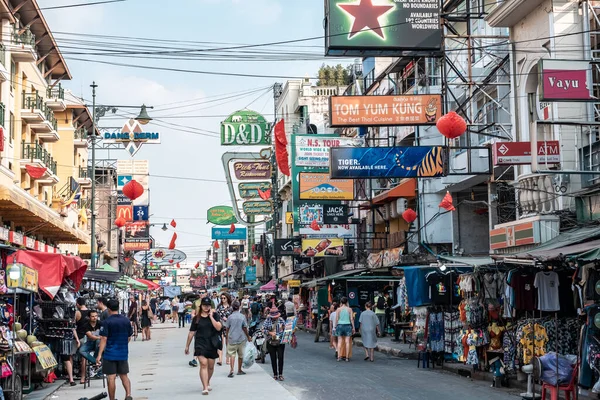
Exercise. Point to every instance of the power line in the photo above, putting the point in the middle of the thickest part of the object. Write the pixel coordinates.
(81, 4)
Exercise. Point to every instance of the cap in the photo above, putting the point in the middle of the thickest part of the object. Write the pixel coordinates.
(206, 302)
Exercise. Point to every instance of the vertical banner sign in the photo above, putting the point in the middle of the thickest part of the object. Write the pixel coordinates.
(245, 128)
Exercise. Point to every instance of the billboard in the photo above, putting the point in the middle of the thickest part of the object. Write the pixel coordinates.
(132, 136)
(318, 186)
(312, 151)
(519, 153)
(159, 256)
(245, 128)
(335, 214)
(137, 244)
(288, 247)
(223, 233)
(221, 215)
(421, 109)
(139, 229)
(388, 162)
(564, 80)
(383, 27)
(249, 190)
(323, 247)
(125, 212)
(250, 273)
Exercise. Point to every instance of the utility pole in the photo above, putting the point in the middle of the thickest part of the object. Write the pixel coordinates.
(277, 89)
(93, 174)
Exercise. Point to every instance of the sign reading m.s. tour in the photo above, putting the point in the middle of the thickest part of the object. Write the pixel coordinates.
(245, 128)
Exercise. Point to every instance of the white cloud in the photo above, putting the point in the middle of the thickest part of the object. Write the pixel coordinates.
(77, 19)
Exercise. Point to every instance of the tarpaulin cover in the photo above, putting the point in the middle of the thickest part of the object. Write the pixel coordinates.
(416, 286)
(565, 369)
(52, 268)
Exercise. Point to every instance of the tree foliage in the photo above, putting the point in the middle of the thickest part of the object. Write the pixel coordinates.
(337, 75)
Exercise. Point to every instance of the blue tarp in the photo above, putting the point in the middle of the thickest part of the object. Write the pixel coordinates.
(416, 285)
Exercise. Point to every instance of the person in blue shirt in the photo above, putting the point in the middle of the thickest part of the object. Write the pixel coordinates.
(115, 334)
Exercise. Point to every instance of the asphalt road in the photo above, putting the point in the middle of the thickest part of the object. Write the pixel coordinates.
(312, 373)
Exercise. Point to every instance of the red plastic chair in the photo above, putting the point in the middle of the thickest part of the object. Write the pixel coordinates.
(568, 389)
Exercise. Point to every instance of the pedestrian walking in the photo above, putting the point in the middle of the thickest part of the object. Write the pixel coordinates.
(175, 309)
(206, 331)
(133, 314)
(246, 307)
(273, 327)
(290, 308)
(146, 320)
(344, 329)
(332, 327)
(224, 310)
(102, 309)
(82, 318)
(369, 329)
(115, 334)
(181, 313)
(381, 312)
(237, 336)
(215, 300)
(165, 308)
(255, 310)
(154, 305)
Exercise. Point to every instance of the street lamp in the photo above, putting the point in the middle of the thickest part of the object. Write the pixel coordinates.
(164, 227)
(143, 118)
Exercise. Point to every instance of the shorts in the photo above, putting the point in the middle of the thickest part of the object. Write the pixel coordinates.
(233, 349)
(344, 330)
(110, 367)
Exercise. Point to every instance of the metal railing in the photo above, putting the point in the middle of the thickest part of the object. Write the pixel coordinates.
(33, 101)
(81, 133)
(2, 54)
(2, 114)
(55, 92)
(25, 37)
(49, 114)
(83, 172)
(35, 151)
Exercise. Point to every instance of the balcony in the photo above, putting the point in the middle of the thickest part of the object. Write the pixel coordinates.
(83, 178)
(40, 117)
(4, 73)
(536, 195)
(2, 115)
(23, 45)
(56, 98)
(80, 137)
(36, 155)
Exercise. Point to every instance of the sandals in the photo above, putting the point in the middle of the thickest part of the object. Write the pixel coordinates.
(275, 377)
(281, 378)
(230, 375)
(220, 364)
(205, 392)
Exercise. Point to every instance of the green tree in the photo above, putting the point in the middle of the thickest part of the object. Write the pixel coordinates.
(337, 75)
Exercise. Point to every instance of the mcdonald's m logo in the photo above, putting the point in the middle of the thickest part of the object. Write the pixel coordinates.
(125, 212)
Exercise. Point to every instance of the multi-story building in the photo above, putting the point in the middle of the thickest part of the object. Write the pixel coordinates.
(34, 163)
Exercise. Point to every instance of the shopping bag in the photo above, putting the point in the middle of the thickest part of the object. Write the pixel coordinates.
(294, 341)
(249, 355)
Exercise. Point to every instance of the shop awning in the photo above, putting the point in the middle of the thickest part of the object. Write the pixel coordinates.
(103, 273)
(340, 275)
(550, 254)
(406, 188)
(27, 212)
(126, 281)
(269, 286)
(472, 261)
(589, 256)
(151, 285)
(52, 268)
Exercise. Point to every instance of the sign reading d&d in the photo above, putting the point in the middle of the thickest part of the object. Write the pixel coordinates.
(245, 128)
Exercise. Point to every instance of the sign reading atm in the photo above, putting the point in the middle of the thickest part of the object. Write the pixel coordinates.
(519, 153)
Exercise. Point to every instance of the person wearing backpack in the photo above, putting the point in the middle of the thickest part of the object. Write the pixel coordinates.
(380, 311)
(255, 310)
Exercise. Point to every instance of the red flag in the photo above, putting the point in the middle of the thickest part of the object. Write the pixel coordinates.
(173, 239)
(178, 266)
(232, 228)
(197, 265)
(266, 195)
(216, 244)
(173, 223)
(35, 172)
(314, 225)
(447, 202)
(281, 153)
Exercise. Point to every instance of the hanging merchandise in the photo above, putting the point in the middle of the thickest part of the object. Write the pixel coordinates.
(533, 341)
(524, 290)
(547, 284)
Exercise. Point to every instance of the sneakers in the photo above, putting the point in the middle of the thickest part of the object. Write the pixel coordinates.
(95, 371)
(193, 363)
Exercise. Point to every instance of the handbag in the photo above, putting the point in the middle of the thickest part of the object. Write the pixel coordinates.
(274, 342)
(6, 370)
(216, 341)
(294, 342)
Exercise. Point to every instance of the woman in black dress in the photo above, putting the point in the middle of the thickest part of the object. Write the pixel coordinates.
(146, 320)
(206, 329)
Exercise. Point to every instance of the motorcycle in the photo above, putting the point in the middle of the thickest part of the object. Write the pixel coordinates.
(258, 340)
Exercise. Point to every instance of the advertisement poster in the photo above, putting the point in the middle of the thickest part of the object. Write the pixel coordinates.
(250, 273)
(288, 247)
(28, 279)
(223, 233)
(388, 162)
(221, 215)
(318, 186)
(45, 357)
(312, 151)
(322, 247)
(245, 128)
(290, 325)
(335, 214)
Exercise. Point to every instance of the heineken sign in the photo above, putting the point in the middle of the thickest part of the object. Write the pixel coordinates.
(245, 128)
(221, 215)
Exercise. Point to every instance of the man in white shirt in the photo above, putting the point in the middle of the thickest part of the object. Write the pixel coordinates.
(181, 313)
(290, 308)
(246, 307)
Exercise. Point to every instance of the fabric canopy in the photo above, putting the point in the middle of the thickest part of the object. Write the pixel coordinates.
(269, 286)
(549, 254)
(472, 261)
(103, 273)
(151, 285)
(127, 281)
(52, 269)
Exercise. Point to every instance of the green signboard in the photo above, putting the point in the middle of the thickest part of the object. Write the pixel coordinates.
(249, 190)
(370, 28)
(245, 128)
(221, 215)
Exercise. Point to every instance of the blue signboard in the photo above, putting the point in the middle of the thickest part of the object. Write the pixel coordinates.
(250, 274)
(140, 213)
(123, 180)
(223, 234)
(388, 162)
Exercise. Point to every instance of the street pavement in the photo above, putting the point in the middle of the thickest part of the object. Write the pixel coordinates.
(160, 370)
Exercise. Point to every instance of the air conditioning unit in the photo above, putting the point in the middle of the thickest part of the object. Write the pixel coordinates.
(394, 211)
(378, 218)
(401, 205)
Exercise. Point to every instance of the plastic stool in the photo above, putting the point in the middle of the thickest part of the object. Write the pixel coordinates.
(568, 389)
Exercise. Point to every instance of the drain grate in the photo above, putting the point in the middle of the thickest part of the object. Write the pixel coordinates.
(145, 381)
(148, 374)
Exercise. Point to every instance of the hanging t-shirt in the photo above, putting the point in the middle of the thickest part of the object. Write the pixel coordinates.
(524, 291)
(442, 286)
(547, 287)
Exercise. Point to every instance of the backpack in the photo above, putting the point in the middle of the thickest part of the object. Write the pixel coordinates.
(381, 303)
(254, 308)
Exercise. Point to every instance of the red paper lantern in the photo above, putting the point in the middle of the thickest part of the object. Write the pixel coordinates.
(451, 125)
(264, 195)
(133, 189)
(232, 228)
(314, 225)
(170, 261)
(409, 215)
(120, 222)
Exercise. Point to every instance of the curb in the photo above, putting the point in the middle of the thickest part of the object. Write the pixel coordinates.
(389, 350)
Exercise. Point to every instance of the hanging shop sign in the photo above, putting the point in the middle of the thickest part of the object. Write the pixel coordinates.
(515, 235)
(312, 151)
(252, 170)
(519, 153)
(28, 279)
(140, 229)
(122, 200)
(45, 357)
(264, 207)
(379, 28)
(141, 213)
(318, 186)
(245, 128)
(423, 109)
(307, 212)
(335, 214)
(4, 233)
(16, 238)
(132, 136)
(288, 247)
(221, 215)
(160, 256)
(137, 244)
(236, 248)
(223, 233)
(564, 80)
(156, 274)
(249, 190)
(322, 247)
(123, 180)
(294, 283)
(389, 162)
(250, 273)
(125, 212)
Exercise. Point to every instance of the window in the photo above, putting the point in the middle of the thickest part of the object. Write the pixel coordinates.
(13, 74)
(11, 127)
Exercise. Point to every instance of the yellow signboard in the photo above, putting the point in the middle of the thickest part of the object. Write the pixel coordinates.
(294, 283)
(289, 218)
(318, 186)
(28, 279)
(45, 357)
(322, 247)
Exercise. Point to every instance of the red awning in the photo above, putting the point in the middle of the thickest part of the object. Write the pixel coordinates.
(151, 285)
(406, 188)
(52, 268)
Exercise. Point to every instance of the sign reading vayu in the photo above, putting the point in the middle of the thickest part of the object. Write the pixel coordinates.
(564, 80)
(519, 153)
(245, 128)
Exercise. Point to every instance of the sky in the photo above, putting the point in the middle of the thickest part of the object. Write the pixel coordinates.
(186, 150)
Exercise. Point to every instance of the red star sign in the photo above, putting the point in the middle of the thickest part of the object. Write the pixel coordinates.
(366, 15)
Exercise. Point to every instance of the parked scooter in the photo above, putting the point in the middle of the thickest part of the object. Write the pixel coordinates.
(258, 339)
